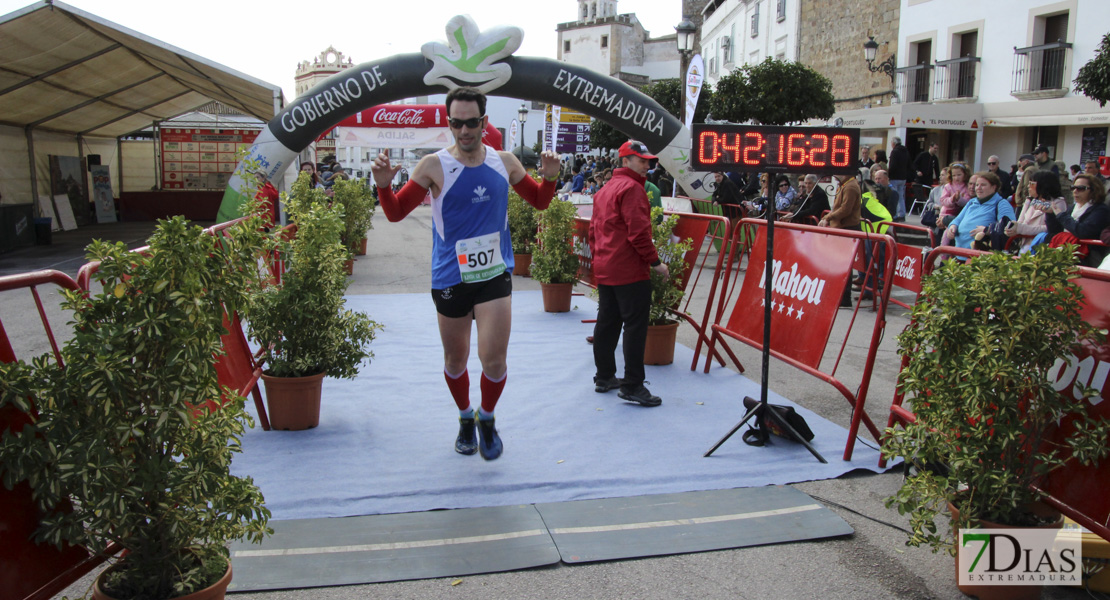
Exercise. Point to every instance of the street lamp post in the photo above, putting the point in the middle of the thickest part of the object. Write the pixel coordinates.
(870, 48)
(522, 115)
(685, 34)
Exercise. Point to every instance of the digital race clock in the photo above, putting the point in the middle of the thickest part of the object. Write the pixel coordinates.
(759, 148)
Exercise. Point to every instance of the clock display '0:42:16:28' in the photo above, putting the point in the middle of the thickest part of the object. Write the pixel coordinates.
(794, 149)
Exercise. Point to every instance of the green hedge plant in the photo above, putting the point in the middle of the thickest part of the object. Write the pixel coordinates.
(123, 439)
(553, 258)
(522, 223)
(357, 202)
(982, 342)
(665, 291)
(302, 324)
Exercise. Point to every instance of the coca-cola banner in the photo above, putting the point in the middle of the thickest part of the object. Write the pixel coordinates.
(907, 269)
(399, 115)
(809, 271)
(473, 57)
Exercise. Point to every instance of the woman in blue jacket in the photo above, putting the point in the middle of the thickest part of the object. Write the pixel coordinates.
(982, 211)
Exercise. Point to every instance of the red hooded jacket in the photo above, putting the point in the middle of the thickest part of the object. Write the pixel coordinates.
(620, 231)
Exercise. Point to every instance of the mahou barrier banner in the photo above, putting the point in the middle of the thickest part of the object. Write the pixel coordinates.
(1084, 489)
(810, 271)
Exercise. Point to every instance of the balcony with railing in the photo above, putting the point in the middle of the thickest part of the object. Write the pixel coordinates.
(956, 79)
(912, 83)
(1041, 71)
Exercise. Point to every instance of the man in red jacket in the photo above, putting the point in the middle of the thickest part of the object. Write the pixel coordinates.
(623, 255)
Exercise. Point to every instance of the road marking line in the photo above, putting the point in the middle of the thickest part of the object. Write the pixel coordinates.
(691, 521)
(388, 545)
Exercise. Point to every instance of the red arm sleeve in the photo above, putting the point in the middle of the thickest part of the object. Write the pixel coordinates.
(398, 206)
(538, 195)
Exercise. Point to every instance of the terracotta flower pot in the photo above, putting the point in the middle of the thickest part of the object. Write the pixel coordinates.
(556, 296)
(349, 266)
(216, 591)
(659, 348)
(360, 249)
(293, 403)
(522, 264)
(1004, 592)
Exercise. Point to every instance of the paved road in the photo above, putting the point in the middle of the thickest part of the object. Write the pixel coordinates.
(873, 563)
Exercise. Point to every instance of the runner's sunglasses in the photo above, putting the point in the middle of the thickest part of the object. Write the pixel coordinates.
(460, 123)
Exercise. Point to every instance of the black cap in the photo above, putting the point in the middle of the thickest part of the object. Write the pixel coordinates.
(1039, 149)
(1028, 157)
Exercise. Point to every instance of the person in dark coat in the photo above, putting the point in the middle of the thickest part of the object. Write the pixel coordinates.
(1007, 188)
(813, 201)
(927, 166)
(899, 169)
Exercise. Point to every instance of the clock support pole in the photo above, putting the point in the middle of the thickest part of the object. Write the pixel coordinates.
(759, 435)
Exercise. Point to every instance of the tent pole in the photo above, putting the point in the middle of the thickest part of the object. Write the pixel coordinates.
(34, 175)
(154, 148)
(119, 165)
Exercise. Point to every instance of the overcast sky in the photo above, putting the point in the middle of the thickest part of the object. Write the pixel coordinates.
(266, 40)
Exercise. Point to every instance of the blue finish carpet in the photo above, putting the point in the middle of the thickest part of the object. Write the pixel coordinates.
(385, 443)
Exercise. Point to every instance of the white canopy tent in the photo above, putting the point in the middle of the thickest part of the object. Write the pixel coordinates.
(72, 83)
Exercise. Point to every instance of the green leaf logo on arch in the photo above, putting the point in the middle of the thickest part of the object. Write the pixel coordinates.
(468, 57)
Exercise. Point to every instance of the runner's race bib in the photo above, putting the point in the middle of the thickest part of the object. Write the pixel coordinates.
(480, 257)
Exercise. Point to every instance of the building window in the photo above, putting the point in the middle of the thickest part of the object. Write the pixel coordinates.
(566, 45)
(604, 41)
(781, 10)
(755, 21)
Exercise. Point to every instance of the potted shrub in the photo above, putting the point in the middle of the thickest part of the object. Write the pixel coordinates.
(665, 291)
(129, 443)
(358, 211)
(301, 324)
(982, 340)
(522, 228)
(554, 262)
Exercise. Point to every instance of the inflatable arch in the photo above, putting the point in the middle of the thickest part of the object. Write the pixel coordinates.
(479, 59)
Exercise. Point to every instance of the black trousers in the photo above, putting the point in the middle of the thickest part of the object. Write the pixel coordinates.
(628, 306)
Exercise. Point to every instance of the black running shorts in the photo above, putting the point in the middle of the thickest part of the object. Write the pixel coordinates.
(459, 300)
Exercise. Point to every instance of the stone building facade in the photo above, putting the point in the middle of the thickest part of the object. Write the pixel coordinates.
(830, 40)
(617, 44)
(309, 73)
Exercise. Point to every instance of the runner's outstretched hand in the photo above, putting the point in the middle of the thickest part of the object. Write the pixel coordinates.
(383, 171)
(549, 164)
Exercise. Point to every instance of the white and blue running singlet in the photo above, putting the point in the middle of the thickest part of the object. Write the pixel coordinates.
(471, 240)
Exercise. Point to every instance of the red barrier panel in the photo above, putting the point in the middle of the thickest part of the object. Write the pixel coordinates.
(812, 266)
(1082, 493)
(693, 227)
(28, 570)
(909, 265)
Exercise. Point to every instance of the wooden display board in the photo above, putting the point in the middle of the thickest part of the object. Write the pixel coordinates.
(201, 159)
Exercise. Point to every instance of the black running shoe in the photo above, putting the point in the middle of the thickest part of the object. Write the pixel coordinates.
(490, 446)
(605, 384)
(639, 394)
(467, 442)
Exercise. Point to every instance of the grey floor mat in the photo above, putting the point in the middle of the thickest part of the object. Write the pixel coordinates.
(614, 528)
(307, 553)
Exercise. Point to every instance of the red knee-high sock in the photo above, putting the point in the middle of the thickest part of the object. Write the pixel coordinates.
(460, 388)
(491, 391)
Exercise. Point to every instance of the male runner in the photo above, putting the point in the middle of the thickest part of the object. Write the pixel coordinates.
(472, 257)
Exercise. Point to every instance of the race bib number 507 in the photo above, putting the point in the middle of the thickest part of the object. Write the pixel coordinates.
(480, 257)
